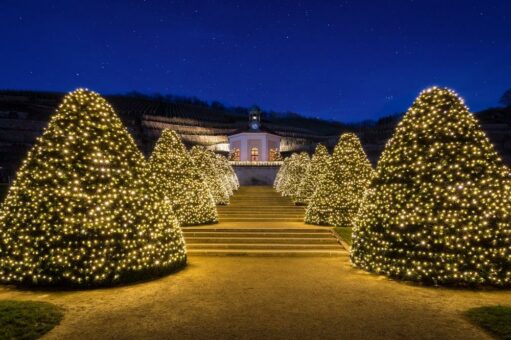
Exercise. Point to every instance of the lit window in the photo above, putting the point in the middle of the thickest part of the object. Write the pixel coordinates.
(254, 154)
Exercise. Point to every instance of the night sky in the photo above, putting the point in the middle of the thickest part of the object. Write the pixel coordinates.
(344, 60)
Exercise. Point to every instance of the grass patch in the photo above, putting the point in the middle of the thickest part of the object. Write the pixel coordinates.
(27, 319)
(344, 233)
(495, 319)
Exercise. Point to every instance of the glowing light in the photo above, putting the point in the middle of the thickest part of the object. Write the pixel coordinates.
(291, 174)
(316, 170)
(339, 194)
(83, 209)
(439, 207)
(180, 181)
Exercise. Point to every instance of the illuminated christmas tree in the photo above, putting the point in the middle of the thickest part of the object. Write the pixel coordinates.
(275, 155)
(316, 170)
(234, 178)
(439, 208)
(339, 194)
(281, 174)
(223, 170)
(235, 155)
(294, 174)
(180, 182)
(206, 162)
(83, 209)
(228, 173)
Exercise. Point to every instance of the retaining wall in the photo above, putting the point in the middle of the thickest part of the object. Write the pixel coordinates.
(256, 175)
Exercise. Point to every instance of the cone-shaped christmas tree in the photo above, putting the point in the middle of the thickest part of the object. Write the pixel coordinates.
(82, 210)
(294, 174)
(228, 173)
(281, 174)
(180, 181)
(234, 178)
(316, 170)
(223, 173)
(285, 173)
(439, 208)
(205, 161)
(339, 194)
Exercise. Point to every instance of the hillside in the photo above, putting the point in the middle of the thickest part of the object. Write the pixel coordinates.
(23, 115)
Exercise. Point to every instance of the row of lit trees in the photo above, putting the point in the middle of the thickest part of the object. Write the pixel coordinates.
(341, 189)
(331, 187)
(436, 210)
(87, 209)
(193, 182)
(291, 173)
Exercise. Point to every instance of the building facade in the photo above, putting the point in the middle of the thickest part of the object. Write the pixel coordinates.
(255, 143)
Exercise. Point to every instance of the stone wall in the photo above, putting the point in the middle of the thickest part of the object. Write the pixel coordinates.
(256, 175)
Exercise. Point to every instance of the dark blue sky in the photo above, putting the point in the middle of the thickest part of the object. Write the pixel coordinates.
(346, 60)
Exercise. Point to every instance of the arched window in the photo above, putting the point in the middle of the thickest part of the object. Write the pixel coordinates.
(254, 154)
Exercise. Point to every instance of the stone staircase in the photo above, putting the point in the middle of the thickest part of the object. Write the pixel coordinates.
(260, 222)
(260, 204)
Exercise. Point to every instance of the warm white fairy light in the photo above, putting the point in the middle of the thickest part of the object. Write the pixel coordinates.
(274, 155)
(279, 178)
(316, 170)
(292, 174)
(227, 172)
(340, 192)
(180, 182)
(439, 208)
(206, 162)
(83, 210)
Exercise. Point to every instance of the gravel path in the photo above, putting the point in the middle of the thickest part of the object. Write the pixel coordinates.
(255, 298)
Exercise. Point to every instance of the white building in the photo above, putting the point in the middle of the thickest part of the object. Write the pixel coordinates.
(254, 143)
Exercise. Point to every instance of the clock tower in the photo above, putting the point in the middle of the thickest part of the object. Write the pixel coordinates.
(254, 143)
(254, 119)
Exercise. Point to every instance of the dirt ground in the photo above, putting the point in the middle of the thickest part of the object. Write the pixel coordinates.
(276, 298)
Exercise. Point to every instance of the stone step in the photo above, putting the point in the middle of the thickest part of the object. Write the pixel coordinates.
(258, 194)
(259, 218)
(246, 196)
(255, 229)
(237, 205)
(263, 252)
(269, 199)
(262, 240)
(269, 211)
(255, 213)
(259, 206)
(253, 209)
(265, 246)
(263, 219)
(283, 200)
(258, 234)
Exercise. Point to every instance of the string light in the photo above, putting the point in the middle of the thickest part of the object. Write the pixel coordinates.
(227, 172)
(316, 169)
(180, 182)
(279, 178)
(337, 199)
(83, 210)
(206, 162)
(438, 210)
(292, 174)
(274, 155)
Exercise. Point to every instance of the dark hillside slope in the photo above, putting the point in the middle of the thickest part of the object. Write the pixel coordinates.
(23, 115)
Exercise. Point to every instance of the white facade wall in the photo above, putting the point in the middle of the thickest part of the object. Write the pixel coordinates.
(245, 141)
